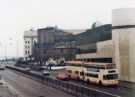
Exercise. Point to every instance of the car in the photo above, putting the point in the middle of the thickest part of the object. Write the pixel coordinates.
(45, 72)
(2, 67)
(1, 80)
(62, 76)
(27, 69)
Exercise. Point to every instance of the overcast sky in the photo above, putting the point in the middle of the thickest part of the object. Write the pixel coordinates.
(19, 15)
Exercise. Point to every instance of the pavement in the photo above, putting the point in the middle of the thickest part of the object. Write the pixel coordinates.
(127, 84)
(27, 87)
(7, 91)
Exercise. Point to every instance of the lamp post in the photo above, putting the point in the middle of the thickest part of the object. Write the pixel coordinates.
(17, 47)
(5, 52)
(6, 45)
(1, 48)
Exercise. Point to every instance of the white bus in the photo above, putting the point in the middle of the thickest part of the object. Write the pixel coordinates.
(92, 72)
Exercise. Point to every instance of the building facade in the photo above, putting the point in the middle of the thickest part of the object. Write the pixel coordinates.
(87, 40)
(30, 38)
(104, 53)
(54, 43)
(123, 32)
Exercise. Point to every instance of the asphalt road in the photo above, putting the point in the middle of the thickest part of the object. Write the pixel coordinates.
(30, 88)
(120, 91)
(6, 92)
(114, 90)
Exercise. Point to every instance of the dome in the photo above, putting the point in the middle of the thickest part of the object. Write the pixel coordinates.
(97, 24)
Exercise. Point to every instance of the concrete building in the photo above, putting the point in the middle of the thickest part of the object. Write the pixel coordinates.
(87, 40)
(95, 44)
(105, 48)
(52, 35)
(70, 42)
(123, 35)
(104, 52)
(30, 38)
(53, 42)
(118, 47)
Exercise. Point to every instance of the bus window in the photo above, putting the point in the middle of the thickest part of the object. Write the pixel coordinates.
(96, 67)
(110, 76)
(110, 66)
(93, 69)
(101, 67)
(82, 73)
(76, 65)
(92, 75)
(111, 71)
(69, 71)
(76, 72)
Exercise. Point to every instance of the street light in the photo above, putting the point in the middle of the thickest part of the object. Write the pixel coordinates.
(17, 48)
(5, 46)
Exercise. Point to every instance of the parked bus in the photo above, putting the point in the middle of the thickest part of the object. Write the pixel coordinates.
(99, 73)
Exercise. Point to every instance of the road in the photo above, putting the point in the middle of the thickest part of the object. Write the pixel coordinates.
(114, 90)
(120, 91)
(30, 88)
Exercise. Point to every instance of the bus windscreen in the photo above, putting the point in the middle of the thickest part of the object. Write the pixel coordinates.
(110, 76)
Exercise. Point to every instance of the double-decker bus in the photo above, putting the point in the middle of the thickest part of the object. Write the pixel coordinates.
(99, 73)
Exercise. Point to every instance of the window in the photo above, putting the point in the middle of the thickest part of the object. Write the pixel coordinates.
(96, 67)
(28, 52)
(34, 42)
(111, 66)
(93, 69)
(110, 76)
(82, 73)
(111, 71)
(76, 72)
(61, 50)
(92, 75)
(26, 42)
(101, 67)
(69, 71)
(77, 65)
(44, 51)
(25, 52)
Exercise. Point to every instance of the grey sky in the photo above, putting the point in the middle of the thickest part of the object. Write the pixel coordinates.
(19, 15)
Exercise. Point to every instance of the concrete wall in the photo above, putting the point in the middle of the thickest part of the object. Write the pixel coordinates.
(132, 55)
(105, 48)
(123, 22)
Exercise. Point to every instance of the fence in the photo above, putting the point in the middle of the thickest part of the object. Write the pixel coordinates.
(74, 89)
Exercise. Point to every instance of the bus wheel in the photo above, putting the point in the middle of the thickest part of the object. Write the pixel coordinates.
(100, 83)
(69, 76)
(88, 81)
(78, 78)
